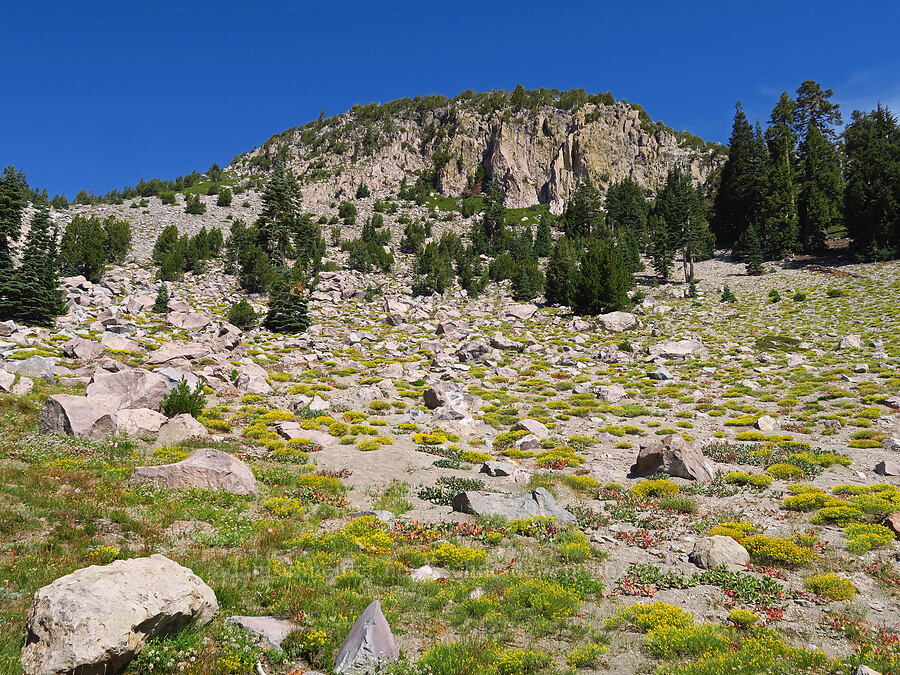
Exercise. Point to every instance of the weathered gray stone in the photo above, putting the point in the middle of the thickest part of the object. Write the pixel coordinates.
(850, 342)
(766, 423)
(499, 468)
(675, 456)
(178, 429)
(128, 388)
(369, 646)
(535, 503)
(539, 429)
(37, 366)
(207, 469)
(617, 322)
(444, 394)
(77, 416)
(474, 350)
(660, 374)
(429, 573)
(891, 444)
(82, 349)
(139, 421)
(711, 552)
(612, 393)
(6, 380)
(95, 620)
(673, 349)
(888, 468)
(520, 311)
(269, 631)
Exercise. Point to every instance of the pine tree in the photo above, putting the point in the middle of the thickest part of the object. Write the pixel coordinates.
(779, 234)
(662, 250)
(872, 195)
(815, 109)
(626, 211)
(603, 281)
(543, 240)
(753, 251)
(39, 244)
(288, 310)
(13, 190)
(562, 271)
(490, 230)
(821, 188)
(433, 271)
(583, 216)
(527, 280)
(680, 207)
(82, 249)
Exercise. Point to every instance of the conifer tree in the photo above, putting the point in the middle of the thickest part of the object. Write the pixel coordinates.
(680, 207)
(13, 200)
(278, 220)
(753, 251)
(288, 310)
(583, 216)
(821, 189)
(779, 234)
(543, 240)
(527, 280)
(872, 195)
(661, 249)
(161, 304)
(603, 281)
(627, 210)
(562, 271)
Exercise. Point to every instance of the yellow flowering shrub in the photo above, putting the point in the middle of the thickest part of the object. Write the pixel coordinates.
(585, 656)
(283, 506)
(777, 551)
(830, 586)
(654, 488)
(458, 557)
(652, 616)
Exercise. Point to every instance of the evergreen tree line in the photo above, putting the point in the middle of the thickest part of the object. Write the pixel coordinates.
(786, 189)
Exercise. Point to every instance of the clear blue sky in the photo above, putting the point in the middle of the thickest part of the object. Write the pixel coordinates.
(99, 94)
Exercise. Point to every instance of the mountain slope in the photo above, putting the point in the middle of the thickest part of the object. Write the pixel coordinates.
(538, 148)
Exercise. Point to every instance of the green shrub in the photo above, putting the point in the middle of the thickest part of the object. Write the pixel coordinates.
(224, 198)
(830, 586)
(181, 400)
(242, 315)
(194, 205)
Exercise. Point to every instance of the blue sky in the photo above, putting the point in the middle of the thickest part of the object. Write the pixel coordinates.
(100, 94)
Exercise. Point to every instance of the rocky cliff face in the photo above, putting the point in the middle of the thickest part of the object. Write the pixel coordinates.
(538, 155)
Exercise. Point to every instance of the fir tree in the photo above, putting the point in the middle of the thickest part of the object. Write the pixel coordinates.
(543, 241)
(626, 211)
(527, 280)
(490, 230)
(821, 188)
(583, 216)
(13, 190)
(432, 271)
(779, 235)
(680, 207)
(278, 219)
(814, 109)
(82, 249)
(753, 251)
(562, 271)
(603, 281)
(662, 249)
(161, 304)
(288, 310)
(872, 195)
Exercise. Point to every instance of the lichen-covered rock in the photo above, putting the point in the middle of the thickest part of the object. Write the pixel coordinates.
(95, 620)
(128, 388)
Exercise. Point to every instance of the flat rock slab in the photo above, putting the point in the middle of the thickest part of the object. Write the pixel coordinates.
(206, 469)
(129, 388)
(96, 619)
(535, 503)
(269, 631)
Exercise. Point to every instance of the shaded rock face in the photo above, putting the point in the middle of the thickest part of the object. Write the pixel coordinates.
(206, 468)
(77, 416)
(711, 552)
(95, 620)
(535, 503)
(675, 456)
(369, 646)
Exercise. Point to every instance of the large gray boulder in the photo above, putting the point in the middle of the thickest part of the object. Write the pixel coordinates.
(675, 349)
(178, 429)
(718, 550)
(675, 456)
(612, 393)
(369, 646)
(535, 503)
(616, 322)
(37, 366)
(520, 311)
(474, 350)
(268, 631)
(77, 416)
(206, 469)
(189, 320)
(139, 421)
(6, 380)
(95, 620)
(252, 379)
(82, 349)
(539, 429)
(128, 388)
(444, 394)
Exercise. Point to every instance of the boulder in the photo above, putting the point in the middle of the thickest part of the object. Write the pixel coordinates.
(520, 311)
(499, 468)
(139, 303)
(189, 320)
(172, 351)
(474, 350)
(675, 349)
(178, 429)
(82, 349)
(532, 427)
(865, 670)
(252, 379)
(369, 646)
(504, 343)
(766, 423)
(612, 393)
(206, 469)
(660, 374)
(891, 444)
(850, 342)
(711, 552)
(535, 503)
(888, 468)
(23, 386)
(268, 631)
(176, 375)
(528, 442)
(6, 381)
(429, 573)
(617, 322)
(444, 394)
(97, 619)
(139, 421)
(893, 522)
(37, 366)
(128, 388)
(675, 456)
(77, 416)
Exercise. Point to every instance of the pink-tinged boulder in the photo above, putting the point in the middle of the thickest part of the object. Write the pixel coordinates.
(77, 416)
(206, 469)
(97, 619)
(675, 456)
(369, 646)
(178, 429)
(128, 388)
(139, 422)
(82, 349)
